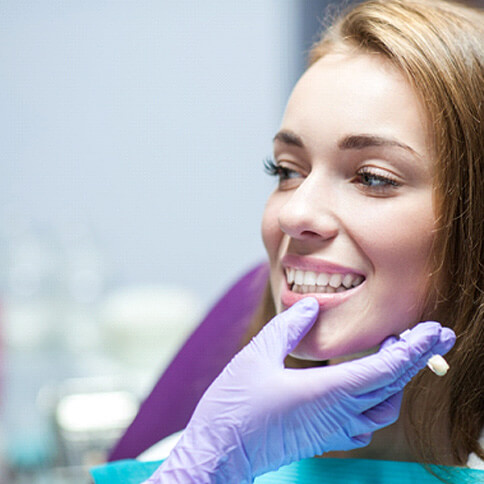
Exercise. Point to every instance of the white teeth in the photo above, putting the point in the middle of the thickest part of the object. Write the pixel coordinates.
(358, 280)
(304, 289)
(335, 280)
(323, 279)
(310, 278)
(305, 282)
(347, 280)
(299, 277)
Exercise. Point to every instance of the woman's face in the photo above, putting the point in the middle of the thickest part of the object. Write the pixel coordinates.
(351, 221)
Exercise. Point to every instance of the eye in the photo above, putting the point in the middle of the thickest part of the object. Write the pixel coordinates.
(283, 173)
(375, 179)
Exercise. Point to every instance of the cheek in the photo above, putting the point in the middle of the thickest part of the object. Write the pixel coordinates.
(399, 248)
(401, 242)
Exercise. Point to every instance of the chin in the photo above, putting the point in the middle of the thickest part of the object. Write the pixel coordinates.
(310, 349)
(316, 347)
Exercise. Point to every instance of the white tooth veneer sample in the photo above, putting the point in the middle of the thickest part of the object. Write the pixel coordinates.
(438, 365)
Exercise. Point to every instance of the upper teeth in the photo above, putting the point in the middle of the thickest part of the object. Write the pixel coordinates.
(310, 278)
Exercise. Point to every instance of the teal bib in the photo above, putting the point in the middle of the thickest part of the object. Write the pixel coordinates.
(311, 471)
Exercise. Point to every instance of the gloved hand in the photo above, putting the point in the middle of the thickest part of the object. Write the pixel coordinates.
(257, 415)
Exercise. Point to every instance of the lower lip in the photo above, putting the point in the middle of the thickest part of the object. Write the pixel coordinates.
(325, 300)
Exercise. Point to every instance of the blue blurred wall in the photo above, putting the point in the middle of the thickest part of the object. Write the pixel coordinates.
(147, 122)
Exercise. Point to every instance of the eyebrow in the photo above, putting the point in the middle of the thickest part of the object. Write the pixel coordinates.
(350, 142)
(289, 138)
(362, 141)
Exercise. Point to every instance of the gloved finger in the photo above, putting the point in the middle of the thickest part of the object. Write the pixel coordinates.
(389, 364)
(401, 379)
(388, 342)
(376, 418)
(423, 337)
(344, 441)
(283, 333)
(443, 345)
(366, 401)
(386, 412)
(361, 440)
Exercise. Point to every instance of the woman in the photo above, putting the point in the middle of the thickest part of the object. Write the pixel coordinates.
(376, 224)
(439, 49)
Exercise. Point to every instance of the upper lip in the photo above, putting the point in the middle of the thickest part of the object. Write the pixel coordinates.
(314, 264)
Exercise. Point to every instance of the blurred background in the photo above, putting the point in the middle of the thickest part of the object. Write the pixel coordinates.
(132, 137)
(131, 194)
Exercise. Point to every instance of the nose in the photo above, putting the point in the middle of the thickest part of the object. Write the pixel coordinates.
(309, 213)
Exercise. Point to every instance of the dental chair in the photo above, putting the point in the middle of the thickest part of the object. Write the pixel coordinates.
(169, 406)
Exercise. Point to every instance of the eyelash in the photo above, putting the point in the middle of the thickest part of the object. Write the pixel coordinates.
(276, 170)
(366, 176)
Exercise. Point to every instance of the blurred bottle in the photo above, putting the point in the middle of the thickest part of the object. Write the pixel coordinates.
(30, 293)
(31, 286)
(83, 279)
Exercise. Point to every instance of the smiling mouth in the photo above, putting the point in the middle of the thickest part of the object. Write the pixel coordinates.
(305, 282)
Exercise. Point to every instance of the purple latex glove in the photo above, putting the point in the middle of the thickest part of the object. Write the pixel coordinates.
(257, 415)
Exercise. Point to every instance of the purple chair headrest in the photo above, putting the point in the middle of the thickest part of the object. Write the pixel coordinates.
(211, 346)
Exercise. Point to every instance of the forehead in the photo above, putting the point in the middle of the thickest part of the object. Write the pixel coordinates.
(345, 93)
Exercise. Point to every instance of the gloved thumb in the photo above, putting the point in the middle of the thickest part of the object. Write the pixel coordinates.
(283, 333)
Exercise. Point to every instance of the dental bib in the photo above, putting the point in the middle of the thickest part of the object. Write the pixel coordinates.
(310, 471)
